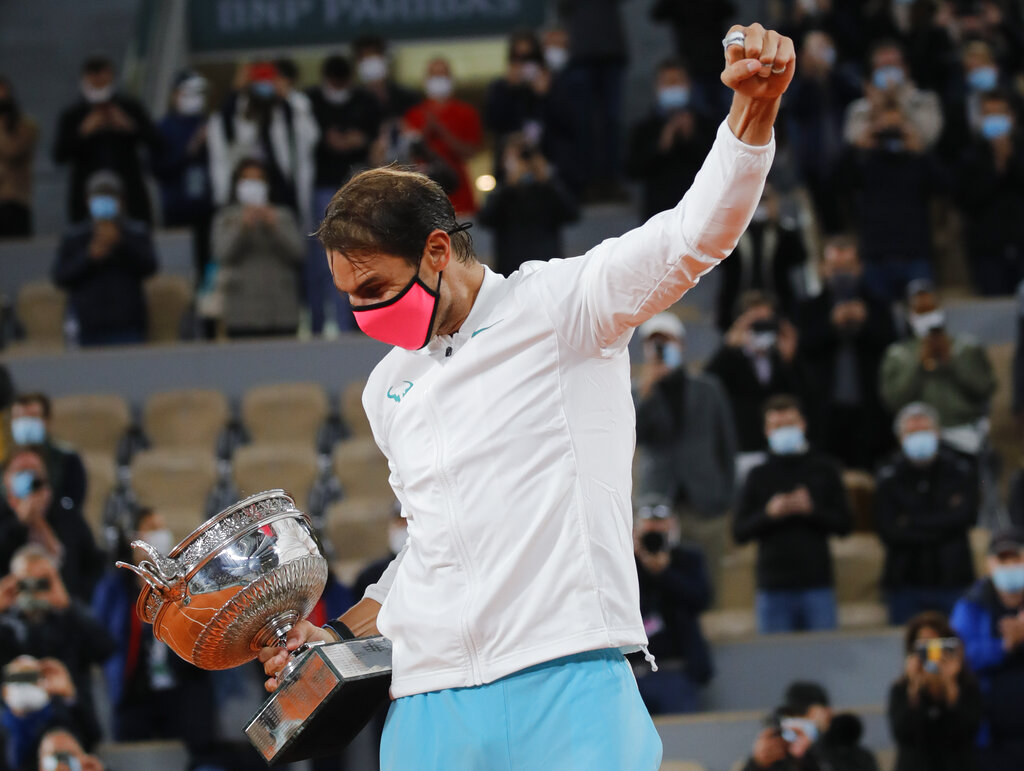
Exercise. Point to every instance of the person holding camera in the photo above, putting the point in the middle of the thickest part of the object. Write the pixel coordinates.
(844, 332)
(990, 621)
(935, 707)
(674, 591)
(60, 749)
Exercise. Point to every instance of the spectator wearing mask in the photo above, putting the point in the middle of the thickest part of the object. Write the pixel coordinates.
(183, 168)
(374, 73)
(105, 130)
(449, 127)
(349, 119)
(398, 534)
(30, 514)
(563, 125)
(528, 210)
(979, 75)
(769, 257)
(925, 505)
(674, 591)
(990, 621)
(686, 440)
(260, 251)
(991, 195)
(844, 333)
(514, 104)
(60, 746)
(756, 361)
(102, 263)
(935, 707)
(38, 618)
(667, 148)
(30, 427)
(37, 697)
(951, 373)
(19, 134)
(790, 505)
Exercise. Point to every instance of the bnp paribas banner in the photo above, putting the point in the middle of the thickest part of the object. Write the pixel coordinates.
(226, 25)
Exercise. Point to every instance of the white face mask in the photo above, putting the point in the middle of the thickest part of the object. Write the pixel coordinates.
(335, 95)
(24, 698)
(191, 102)
(924, 323)
(252, 192)
(372, 69)
(161, 540)
(397, 536)
(97, 95)
(556, 57)
(439, 87)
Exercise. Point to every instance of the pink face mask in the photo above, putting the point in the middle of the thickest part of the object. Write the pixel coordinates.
(406, 320)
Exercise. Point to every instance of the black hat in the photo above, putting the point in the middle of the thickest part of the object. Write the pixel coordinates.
(801, 696)
(1008, 539)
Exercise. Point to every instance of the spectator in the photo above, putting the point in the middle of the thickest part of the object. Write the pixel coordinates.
(19, 134)
(563, 125)
(449, 127)
(513, 103)
(1018, 367)
(102, 263)
(349, 120)
(60, 746)
(38, 618)
(893, 180)
(260, 250)
(953, 374)
(979, 76)
(990, 621)
(105, 130)
(674, 591)
(844, 332)
(263, 121)
(299, 110)
(374, 71)
(183, 168)
(991, 195)
(398, 535)
(30, 513)
(30, 427)
(756, 361)
(925, 505)
(598, 54)
(686, 440)
(790, 505)
(769, 257)
(528, 209)
(935, 707)
(667, 148)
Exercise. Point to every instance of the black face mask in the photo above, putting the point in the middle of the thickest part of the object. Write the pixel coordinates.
(844, 286)
(654, 542)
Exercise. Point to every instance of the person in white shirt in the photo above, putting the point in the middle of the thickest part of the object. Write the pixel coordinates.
(505, 413)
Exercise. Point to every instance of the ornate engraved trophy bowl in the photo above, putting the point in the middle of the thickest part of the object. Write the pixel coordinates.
(238, 583)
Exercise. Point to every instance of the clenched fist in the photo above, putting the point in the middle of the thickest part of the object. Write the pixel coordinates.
(760, 63)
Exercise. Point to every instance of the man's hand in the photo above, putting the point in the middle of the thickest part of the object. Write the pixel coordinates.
(779, 505)
(759, 71)
(8, 592)
(769, 749)
(1012, 630)
(31, 510)
(105, 236)
(56, 680)
(92, 123)
(788, 341)
(800, 501)
(655, 562)
(274, 659)
(653, 372)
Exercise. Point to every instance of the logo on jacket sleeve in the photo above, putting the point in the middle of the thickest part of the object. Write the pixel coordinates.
(398, 392)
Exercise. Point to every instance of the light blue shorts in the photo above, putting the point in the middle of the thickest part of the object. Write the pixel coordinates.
(578, 713)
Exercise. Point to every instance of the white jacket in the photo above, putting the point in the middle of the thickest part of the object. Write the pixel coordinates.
(510, 445)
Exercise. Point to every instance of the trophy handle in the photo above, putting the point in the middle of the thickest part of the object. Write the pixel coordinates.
(163, 574)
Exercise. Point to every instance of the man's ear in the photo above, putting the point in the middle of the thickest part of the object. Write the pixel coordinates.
(438, 250)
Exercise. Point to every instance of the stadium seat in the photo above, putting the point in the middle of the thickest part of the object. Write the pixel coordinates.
(358, 526)
(737, 579)
(190, 418)
(858, 560)
(259, 467)
(361, 468)
(91, 422)
(168, 299)
(728, 624)
(980, 538)
(101, 475)
(863, 615)
(40, 308)
(351, 408)
(176, 483)
(860, 492)
(284, 413)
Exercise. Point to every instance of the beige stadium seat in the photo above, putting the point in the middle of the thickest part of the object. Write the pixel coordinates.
(863, 615)
(681, 765)
(168, 299)
(980, 538)
(858, 560)
(40, 308)
(351, 409)
(860, 492)
(101, 475)
(358, 527)
(190, 418)
(362, 468)
(176, 483)
(91, 422)
(259, 467)
(732, 624)
(737, 579)
(284, 413)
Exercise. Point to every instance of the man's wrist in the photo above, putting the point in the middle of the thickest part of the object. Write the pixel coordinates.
(751, 120)
(340, 630)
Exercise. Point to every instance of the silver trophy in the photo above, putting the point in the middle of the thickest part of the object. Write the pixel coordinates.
(239, 583)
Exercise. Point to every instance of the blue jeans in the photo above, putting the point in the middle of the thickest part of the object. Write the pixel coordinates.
(907, 602)
(796, 610)
(888, 280)
(321, 294)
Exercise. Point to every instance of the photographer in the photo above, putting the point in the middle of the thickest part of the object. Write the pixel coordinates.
(935, 707)
(674, 590)
(60, 748)
(527, 211)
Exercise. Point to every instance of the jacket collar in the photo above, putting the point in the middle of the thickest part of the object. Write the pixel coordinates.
(479, 315)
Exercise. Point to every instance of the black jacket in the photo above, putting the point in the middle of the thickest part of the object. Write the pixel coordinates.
(665, 175)
(793, 551)
(106, 294)
(931, 735)
(924, 516)
(992, 202)
(360, 113)
(66, 472)
(677, 596)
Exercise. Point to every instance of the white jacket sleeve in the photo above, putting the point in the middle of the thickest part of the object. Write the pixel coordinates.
(595, 299)
(379, 591)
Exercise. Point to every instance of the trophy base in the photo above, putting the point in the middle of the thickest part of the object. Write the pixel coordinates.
(333, 692)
